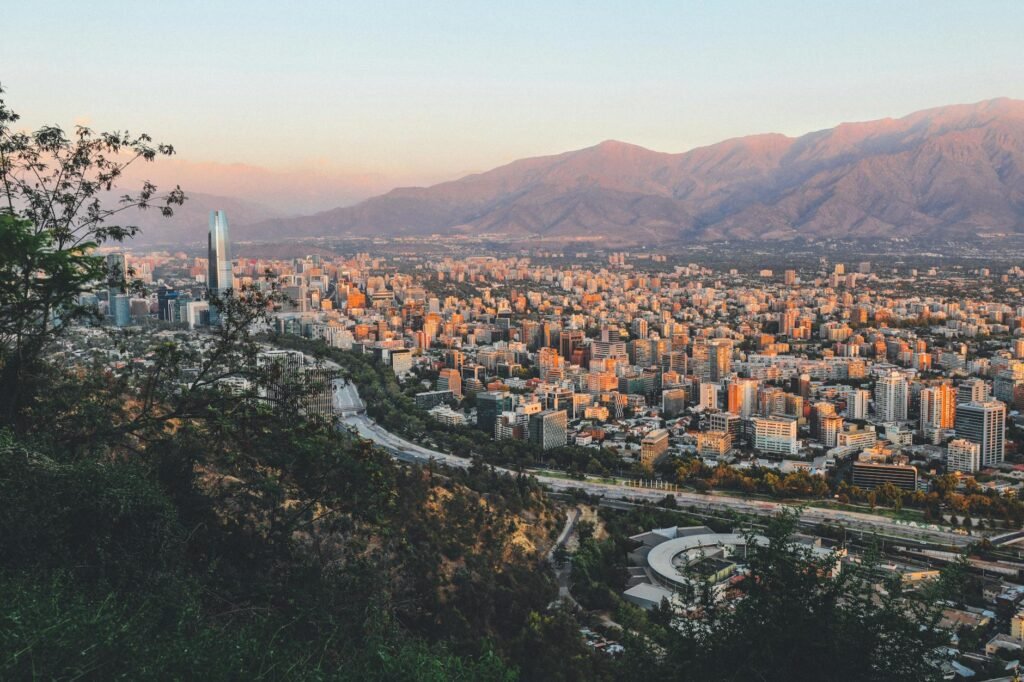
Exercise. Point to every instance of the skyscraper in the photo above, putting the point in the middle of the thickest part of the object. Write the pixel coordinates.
(984, 423)
(117, 274)
(219, 279)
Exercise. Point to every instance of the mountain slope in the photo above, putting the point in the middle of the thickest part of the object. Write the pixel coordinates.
(945, 171)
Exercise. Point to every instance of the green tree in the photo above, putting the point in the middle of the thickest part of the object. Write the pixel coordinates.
(39, 286)
(797, 619)
(60, 189)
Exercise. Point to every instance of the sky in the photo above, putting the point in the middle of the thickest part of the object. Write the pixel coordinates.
(314, 104)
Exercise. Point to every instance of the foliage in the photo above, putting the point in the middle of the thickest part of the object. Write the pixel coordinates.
(59, 182)
(790, 618)
(54, 211)
(181, 515)
(39, 286)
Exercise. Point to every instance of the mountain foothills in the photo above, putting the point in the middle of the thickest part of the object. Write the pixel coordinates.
(952, 171)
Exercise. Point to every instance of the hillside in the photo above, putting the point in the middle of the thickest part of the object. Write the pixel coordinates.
(954, 170)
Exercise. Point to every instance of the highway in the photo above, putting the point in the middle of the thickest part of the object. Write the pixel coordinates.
(352, 411)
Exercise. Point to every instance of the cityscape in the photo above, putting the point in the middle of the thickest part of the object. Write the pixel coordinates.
(751, 411)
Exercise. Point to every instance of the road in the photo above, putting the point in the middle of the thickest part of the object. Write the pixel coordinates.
(353, 414)
(564, 572)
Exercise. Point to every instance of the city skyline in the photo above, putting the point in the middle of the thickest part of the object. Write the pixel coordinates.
(698, 319)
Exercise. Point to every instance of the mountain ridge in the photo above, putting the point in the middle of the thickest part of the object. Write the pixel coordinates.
(952, 170)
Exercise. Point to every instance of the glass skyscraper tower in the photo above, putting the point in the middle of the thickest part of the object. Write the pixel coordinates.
(219, 279)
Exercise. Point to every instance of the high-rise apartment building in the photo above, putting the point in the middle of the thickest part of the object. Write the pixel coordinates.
(829, 428)
(938, 410)
(972, 391)
(857, 404)
(719, 358)
(891, 397)
(709, 396)
(963, 455)
(742, 397)
(776, 434)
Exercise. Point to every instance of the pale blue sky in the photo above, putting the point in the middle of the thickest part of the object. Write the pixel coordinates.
(435, 89)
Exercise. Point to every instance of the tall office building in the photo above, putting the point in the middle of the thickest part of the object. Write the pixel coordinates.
(549, 429)
(609, 345)
(219, 278)
(120, 310)
(449, 379)
(673, 361)
(167, 300)
(489, 407)
(569, 341)
(984, 423)
(891, 398)
(117, 274)
(653, 447)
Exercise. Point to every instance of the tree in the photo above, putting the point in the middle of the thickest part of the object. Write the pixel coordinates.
(161, 521)
(55, 196)
(796, 619)
(61, 184)
(39, 286)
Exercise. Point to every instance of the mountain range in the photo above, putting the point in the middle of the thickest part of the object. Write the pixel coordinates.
(952, 171)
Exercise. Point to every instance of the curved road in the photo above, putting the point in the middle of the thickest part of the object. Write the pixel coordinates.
(353, 414)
